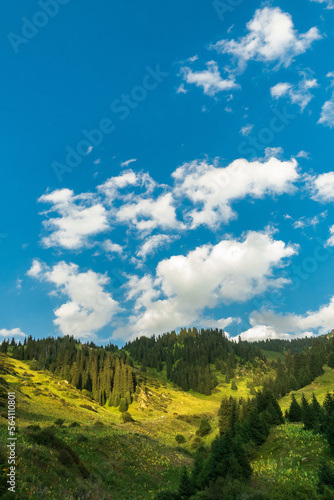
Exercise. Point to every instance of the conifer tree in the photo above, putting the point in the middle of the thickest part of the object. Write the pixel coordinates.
(295, 411)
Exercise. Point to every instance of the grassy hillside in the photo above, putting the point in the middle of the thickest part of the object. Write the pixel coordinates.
(291, 458)
(94, 455)
(320, 386)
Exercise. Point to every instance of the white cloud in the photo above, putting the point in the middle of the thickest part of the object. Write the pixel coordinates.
(330, 241)
(322, 187)
(298, 94)
(329, 3)
(146, 214)
(111, 247)
(184, 286)
(327, 113)
(111, 188)
(80, 218)
(271, 38)
(181, 89)
(127, 162)
(316, 322)
(264, 332)
(309, 221)
(246, 130)
(153, 243)
(209, 79)
(213, 189)
(14, 332)
(89, 307)
(303, 154)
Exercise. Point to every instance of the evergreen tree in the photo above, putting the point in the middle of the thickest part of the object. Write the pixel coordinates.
(186, 489)
(295, 411)
(307, 414)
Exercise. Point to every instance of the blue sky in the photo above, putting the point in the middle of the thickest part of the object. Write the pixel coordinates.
(166, 166)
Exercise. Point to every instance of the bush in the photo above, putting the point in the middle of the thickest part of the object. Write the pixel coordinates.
(196, 443)
(234, 386)
(65, 458)
(59, 422)
(98, 423)
(204, 428)
(34, 428)
(74, 424)
(82, 438)
(180, 439)
(123, 407)
(167, 495)
(126, 417)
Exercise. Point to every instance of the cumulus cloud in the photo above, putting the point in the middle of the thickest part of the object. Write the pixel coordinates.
(271, 38)
(322, 187)
(88, 308)
(14, 332)
(330, 241)
(299, 94)
(212, 189)
(313, 322)
(146, 214)
(209, 79)
(211, 275)
(111, 187)
(327, 113)
(152, 244)
(264, 332)
(80, 218)
(111, 247)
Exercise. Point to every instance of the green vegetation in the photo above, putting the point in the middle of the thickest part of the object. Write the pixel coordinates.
(101, 423)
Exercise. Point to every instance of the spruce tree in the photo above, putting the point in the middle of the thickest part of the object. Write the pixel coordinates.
(186, 489)
(295, 411)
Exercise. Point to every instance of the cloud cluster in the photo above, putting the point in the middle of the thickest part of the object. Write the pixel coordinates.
(138, 202)
(267, 322)
(299, 94)
(327, 113)
(80, 218)
(209, 79)
(322, 187)
(212, 190)
(271, 38)
(88, 308)
(184, 286)
(14, 332)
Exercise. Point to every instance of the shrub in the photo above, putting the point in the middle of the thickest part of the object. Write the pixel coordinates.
(34, 428)
(65, 458)
(82, 438)
(74, 424)
(180, 439)
(59, 422)
(123, 407)
(234, 386)
(126, 417)
(196, 442)
(204, 427)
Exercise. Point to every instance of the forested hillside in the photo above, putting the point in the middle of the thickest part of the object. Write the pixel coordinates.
(195, 409)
